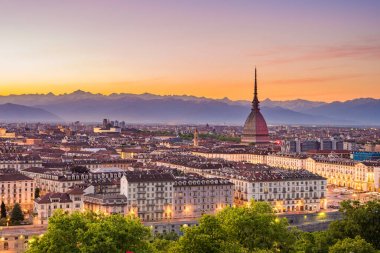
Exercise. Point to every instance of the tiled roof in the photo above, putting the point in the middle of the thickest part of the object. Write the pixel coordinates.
(148, 177)
(62, 198)
(14, 177)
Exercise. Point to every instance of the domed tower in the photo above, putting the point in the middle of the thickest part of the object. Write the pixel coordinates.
(255, 128)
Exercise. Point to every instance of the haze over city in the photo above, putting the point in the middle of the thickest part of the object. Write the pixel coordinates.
(320, 50)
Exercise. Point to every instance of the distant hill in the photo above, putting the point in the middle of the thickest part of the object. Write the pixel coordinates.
(150, 108)
(19, 113)
(298, 105)
(362, 111)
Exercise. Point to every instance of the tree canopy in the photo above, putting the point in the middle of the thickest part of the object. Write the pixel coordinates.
(239, 229)
(358, 220)
(89, 232)
(356, 245)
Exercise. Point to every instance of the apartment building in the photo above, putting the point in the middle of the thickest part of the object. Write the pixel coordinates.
(195, 196)
(149, 195)
(17, 188)
(361, 176)
(45, 206)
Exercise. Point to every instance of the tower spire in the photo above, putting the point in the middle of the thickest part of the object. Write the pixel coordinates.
(255, 101)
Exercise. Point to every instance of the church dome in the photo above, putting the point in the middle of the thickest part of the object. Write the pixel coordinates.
(255, 128)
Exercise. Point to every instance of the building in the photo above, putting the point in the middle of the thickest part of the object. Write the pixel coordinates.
(303, 146)
(350, 145)
(19, 162)
(107, 130)
(106, 203)
(46, 205)
(5, 134)
(255, 127)
(108, 127)
(372, 147)
(17, 188)
(235, 155)
(62, 180)
(15, 239)
(149, 195)
(286, 161)
(196, 196)
(286, 189)
(366, 156)
(361, 176)
(358, 175)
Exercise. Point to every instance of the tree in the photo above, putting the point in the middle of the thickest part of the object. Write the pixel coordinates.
(358, 220)
(163, 245)
(37, 193)
(315, 242)
(17, 214)
(89, 233)
(256, 227)
(357, 245)
(3, 210)
(239, 229)
(208, 237)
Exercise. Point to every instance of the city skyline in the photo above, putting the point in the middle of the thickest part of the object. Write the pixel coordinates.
(316, 51)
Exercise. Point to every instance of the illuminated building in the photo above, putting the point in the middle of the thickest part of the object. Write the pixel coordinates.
(17, 188)
(196, 196)
(149, 194)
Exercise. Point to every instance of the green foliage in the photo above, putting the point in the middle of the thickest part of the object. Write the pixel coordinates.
(359, 220)
(315, 242)
(17, 214)
(163, 245)
(162, 133)
(219, 137)
(250, 229)
(239, 229)
(37, 193)
(3, 210)
(356, 245)
(171, 236)
(187, 136)
(89, 233)
(360, 226)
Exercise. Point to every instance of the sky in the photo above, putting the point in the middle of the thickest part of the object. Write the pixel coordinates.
(317, 50)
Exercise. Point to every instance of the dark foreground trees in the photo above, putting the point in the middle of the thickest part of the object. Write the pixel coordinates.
(253, 228)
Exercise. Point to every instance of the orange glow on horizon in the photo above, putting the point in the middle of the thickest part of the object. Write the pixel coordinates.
(203, 49)
(234, 89)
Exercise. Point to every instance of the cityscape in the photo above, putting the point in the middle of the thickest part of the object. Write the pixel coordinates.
(215, 158)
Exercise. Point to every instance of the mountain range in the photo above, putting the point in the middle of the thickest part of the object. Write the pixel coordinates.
(150, 108)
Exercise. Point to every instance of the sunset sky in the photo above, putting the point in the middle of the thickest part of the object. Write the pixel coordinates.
(318, 50)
